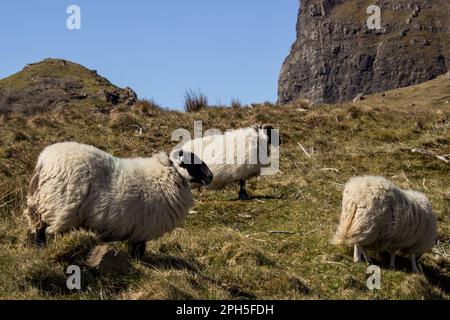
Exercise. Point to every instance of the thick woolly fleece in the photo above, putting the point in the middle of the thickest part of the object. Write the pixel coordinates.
(77, 186)
(379, 216)
(232, 156)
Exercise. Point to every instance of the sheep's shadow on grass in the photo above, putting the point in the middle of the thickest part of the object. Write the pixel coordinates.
(47, 281)
(437, 278)
(167, 262)
(50, 278)
(434, 275)
(52, 281)
(251, 198)
(112, 283)
(383, 261)
(401, 263)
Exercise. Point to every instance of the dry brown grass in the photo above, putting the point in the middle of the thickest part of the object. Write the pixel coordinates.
(195, 100)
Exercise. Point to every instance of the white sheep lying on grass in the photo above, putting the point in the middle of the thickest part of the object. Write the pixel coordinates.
(80, 186)
(376, 215)
(236, 155)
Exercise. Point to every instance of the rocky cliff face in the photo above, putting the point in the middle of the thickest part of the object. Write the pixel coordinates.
(336, 56)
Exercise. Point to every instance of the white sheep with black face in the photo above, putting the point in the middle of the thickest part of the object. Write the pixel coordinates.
(236, 155)
(140, 199)
(376, 215)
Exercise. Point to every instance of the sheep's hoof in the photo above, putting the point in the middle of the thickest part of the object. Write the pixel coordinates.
(368, 259)
(244, 196)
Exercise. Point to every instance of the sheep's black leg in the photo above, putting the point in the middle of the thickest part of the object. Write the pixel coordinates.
(41, 238)
(357, 254)
(242, 192)
(414, 264)
(138, 250)
(392, 260)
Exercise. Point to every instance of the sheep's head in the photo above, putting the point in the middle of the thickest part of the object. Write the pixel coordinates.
(192, 168)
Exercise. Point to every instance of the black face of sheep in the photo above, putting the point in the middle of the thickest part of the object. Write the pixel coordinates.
(196, 168)
(271, 133)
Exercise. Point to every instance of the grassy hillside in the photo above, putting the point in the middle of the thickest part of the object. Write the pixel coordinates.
(55, 84)
(225, 249)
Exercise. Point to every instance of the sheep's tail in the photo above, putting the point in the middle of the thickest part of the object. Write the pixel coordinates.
(343, 233)
(31, 212)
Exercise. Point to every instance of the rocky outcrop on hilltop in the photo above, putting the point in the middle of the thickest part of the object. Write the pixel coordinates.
(56, 83)
(336, 56)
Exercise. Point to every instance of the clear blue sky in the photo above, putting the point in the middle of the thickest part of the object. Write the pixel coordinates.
(160, 48)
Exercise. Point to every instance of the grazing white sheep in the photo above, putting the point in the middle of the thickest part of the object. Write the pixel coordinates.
(80, 186)
(236, 155)
(376, 215)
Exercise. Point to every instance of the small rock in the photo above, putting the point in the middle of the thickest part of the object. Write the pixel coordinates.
(131, 93)
(359, 97)
(107, 260)
(111, 97)
(129, 97)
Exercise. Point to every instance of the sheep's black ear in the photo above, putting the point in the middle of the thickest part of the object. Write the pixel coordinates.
(268, 131)
(180, 157)
(268, 127)
(197, 169)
